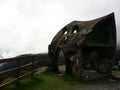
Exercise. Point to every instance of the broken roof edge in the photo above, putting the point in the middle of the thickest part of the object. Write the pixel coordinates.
(105, 18)
(93, 22)
(102, 17)
(86, 25)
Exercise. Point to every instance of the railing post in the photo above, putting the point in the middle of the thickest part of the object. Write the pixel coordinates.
(32, 68)
(18, 72)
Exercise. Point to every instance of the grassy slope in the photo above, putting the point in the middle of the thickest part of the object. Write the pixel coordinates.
(48, 81)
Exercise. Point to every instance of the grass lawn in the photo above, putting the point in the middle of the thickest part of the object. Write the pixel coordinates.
(48, 81)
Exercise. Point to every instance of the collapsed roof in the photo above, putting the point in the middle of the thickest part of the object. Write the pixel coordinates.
(79, 32)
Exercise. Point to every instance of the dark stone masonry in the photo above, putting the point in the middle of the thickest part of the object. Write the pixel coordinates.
(85, 42)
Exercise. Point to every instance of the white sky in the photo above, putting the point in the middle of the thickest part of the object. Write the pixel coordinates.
(28, 26)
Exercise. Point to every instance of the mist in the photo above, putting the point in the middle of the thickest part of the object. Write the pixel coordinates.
(28, 26)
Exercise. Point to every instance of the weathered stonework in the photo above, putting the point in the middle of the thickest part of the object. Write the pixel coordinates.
(85, 42)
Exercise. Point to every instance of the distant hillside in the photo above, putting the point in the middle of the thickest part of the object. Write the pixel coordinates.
(24, 59)
(41, 58)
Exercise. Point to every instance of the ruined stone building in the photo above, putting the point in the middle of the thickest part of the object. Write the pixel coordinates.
(85, 42)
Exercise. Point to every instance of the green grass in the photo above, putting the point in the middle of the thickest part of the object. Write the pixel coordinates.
(8, 79)
(115, 68)
(48, 81)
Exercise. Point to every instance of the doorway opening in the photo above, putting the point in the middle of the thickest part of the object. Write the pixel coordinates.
(61, 62)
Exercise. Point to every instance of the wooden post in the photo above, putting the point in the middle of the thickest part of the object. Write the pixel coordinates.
(18, 72)
(32, 68)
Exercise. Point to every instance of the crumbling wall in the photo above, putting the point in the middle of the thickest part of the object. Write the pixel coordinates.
(79, 39)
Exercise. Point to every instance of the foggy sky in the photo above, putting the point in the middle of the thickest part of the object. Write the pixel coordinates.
(28, 26)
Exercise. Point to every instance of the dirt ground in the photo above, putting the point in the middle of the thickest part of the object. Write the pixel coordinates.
(102, 84)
